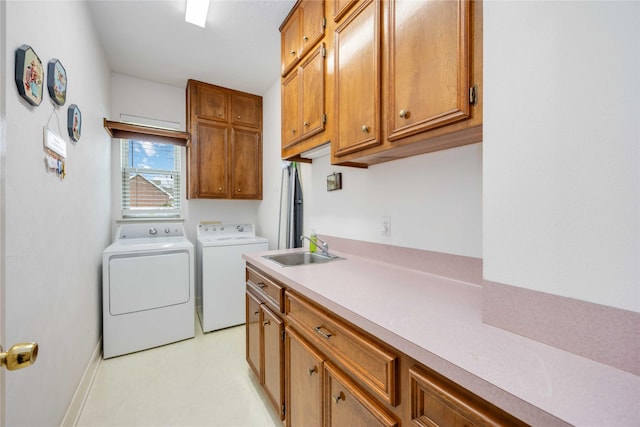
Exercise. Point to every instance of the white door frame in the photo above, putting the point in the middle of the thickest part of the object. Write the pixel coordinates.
(3, 151)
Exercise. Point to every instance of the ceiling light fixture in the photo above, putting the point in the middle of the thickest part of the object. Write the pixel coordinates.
(196, 12)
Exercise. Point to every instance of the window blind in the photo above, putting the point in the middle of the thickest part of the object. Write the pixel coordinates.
(150, 178)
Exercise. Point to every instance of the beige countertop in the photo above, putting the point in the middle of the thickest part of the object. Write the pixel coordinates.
(438, 322)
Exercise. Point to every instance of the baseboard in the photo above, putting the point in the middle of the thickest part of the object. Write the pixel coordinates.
(79, 397)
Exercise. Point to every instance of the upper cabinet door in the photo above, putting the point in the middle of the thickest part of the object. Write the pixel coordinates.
(357, 80)
(313, 24)
(429, 71)
(341, 7)
(290, 109)
(211, 103)
(290, 42)
(209, 162)
(246, 164)
(246, 111)
(312, 75)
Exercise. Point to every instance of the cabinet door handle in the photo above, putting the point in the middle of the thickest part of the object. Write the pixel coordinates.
(219, 114)
(365, 128)
(219, 188)
(261, 285)
(306, 124)
(238, 117)
(239, 190)
(293, 52)
(321, 331)
(255, 313)
(266, 322)
(305, 38)
(312, 371)
(337, 398)
(293, 131)
(404, 114)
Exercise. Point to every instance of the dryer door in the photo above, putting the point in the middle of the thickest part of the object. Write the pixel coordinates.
(148, 281)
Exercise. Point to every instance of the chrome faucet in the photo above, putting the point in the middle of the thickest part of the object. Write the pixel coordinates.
(324, 246)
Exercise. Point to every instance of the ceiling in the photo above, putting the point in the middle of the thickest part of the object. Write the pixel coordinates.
(149, 39)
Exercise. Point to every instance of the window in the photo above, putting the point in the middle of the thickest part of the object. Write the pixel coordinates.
(150, 178)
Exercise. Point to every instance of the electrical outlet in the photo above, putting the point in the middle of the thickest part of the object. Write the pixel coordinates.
(386, 226)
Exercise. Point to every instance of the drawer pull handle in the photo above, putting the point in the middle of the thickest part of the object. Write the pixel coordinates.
(261, 285)
(255, 313)
(312, 371)
(321, 331)
(338, 398)
(266, 322)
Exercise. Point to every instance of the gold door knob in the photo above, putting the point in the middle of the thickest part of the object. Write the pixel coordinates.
(293, 52)
(19, 356)
(219, 188)
(219, 114)
(404, 114)
(305, 38)
(365, 128)
(306, 124)
(293, 131)
(238, 117)
(238, 190)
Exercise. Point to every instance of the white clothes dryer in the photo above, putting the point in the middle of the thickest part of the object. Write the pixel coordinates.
(221, 278)
(148, 288)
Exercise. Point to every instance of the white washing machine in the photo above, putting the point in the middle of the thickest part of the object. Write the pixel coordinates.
(221, 279)
(147, 289)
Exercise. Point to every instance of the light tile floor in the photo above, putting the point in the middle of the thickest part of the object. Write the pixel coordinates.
(203, 381)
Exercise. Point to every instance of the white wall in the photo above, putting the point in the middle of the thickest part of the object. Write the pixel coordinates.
(54, 230)
(434, 201)
(561, 148)
(143, 98)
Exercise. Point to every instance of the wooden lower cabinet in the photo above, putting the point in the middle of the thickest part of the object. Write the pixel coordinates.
(305, 382)
(273, 361)
(265, 342)
(348, 405)
(254, 348)
(319, 370)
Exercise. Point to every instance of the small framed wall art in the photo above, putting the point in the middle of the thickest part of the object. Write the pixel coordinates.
(57, 81)
(29, 74)
(334, 181)
(74, 122)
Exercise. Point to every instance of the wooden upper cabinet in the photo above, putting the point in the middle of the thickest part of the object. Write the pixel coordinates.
(224, 156)
(313, 24)
(429, 54)
(290, 109)
(290, 42)
(211, 103)
(303, 99)
(209, 160)
(246, 110)
(301, 31)
(312, 100)
(341, 7)
(246, 164)
(358, 80)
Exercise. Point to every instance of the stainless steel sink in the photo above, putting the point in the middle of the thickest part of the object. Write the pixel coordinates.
(301, 258)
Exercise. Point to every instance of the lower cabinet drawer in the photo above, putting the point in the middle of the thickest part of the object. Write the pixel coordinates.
(347, 405)
(437, 402)
(271, 290)
(365, 359)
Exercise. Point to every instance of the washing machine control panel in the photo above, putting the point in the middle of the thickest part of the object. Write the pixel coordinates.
(149, 231)
(226, 230)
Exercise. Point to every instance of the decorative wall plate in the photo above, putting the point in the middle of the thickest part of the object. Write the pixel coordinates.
(57, 81)
(29, 74)
(74, 122)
